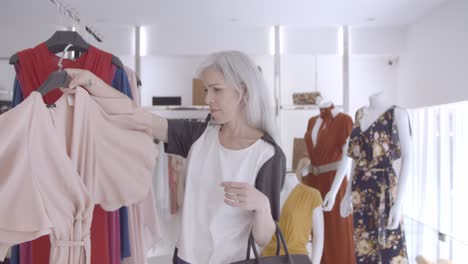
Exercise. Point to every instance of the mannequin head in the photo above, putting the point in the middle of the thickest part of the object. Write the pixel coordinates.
(326, 110)
(325, 104)
(236, 91)
(379, 99)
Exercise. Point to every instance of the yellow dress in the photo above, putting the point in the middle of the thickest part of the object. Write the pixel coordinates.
(296, 220)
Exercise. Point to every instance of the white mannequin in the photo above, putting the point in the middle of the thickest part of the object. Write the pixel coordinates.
(329, 200)
(290, 182)
(378, 104)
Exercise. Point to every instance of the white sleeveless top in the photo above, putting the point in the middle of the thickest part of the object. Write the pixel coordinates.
(213, 232)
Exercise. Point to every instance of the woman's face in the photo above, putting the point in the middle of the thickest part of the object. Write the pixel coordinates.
(224, 101)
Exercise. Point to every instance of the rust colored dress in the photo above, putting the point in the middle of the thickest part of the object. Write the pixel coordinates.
(333, 133)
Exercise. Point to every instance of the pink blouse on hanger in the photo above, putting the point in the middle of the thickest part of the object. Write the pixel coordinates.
(56, 163)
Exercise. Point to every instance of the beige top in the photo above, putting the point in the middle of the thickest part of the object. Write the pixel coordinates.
(58, 162)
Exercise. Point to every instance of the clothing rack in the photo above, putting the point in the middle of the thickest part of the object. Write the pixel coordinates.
(70, 12)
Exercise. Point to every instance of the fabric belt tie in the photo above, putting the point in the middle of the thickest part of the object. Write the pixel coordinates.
(85, 243)
(64, 243)
(317, 170)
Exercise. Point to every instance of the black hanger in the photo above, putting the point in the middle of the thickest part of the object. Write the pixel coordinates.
(56, 79)
(139, 83)
(60, 39)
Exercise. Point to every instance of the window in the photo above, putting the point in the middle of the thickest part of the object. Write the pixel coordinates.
(436, 221)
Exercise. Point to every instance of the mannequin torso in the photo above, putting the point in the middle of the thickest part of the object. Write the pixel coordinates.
(379, 104)
(329, 200)
(319, 121)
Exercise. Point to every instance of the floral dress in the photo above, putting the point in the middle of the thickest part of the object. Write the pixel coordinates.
(374, 189)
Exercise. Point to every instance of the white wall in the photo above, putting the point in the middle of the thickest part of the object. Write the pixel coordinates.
(171, 75)
(434, 67)
(307, 73)
(117, 39)
(377, 40)
(372, 49)
(205, 39)
(310, 61)
(303, 40)
(19, 37)
(371, 74)
(172, 54)
(293, 125)
(297, 75)
(168, 76)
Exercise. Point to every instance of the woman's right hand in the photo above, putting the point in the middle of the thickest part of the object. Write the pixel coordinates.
(98, 88)
(346, 205)
(93, 84)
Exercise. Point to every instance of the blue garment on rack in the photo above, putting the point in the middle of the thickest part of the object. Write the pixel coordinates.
(122, 84)
(17, 94)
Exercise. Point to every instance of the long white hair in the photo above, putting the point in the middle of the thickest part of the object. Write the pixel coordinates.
(239, 71)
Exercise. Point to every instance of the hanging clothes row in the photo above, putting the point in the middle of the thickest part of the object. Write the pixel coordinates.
(113, 234)
(71, 162)
(32, 69)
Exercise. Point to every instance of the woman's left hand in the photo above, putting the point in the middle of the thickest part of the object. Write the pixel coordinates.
(245, 196)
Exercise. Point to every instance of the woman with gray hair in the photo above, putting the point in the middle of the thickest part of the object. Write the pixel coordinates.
(235, 170)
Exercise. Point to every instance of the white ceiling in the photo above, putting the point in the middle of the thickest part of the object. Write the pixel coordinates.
(258, 12)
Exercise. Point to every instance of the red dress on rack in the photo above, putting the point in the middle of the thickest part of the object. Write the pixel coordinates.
(34, 67)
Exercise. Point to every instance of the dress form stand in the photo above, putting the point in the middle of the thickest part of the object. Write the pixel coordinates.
(325, 169)
(381, 135)
(301, 213)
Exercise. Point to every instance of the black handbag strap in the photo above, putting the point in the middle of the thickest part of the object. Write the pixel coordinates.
(279, 237)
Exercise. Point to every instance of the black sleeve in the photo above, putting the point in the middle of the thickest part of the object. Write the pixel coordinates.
(270, 180)
(181, 134)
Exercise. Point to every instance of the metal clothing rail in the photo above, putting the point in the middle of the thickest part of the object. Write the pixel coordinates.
(70, 12)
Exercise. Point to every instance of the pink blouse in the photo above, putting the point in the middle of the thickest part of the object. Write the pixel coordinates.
(57, 163)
